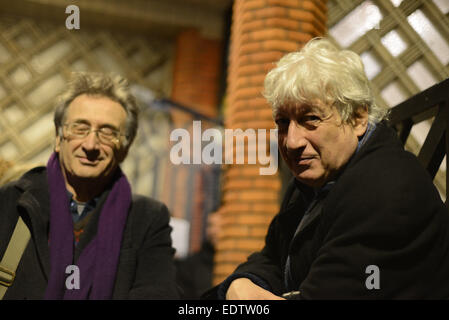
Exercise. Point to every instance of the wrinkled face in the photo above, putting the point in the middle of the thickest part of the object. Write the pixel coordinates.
(89, 157)
(314, 141)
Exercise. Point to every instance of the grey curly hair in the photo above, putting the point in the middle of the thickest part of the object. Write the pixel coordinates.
(112, 86)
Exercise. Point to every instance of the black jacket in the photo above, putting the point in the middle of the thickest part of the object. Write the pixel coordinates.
(146, 268)
(383, 210)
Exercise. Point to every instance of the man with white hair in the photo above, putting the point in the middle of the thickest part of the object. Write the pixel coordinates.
(361, 218)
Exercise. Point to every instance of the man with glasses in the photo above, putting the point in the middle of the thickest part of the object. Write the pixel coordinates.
(90, 237)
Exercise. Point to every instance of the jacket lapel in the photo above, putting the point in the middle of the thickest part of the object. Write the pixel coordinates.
(310, 217)
(314, 211)
(291, 215)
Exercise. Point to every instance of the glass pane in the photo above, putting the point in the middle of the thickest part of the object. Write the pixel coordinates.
(396, 3)
(46, 90)
(13, 113)
(371, 63)
(394, 94)
(443, 165)
(42, 157)
(8, 151)
(2, 92)
(443, 5)
(424, 27)
(20, 76)
(394, 43)
(80, 65)
(421, 130)
(107, 61)
(38, 130)
(25, 41)
(421, 75)
(4, 54)
(362, 19)
(50, 56)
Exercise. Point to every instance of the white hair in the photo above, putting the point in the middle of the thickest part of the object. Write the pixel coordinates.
(322, 72)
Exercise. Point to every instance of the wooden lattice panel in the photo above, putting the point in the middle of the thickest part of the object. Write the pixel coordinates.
(405, 48)
(36, 59)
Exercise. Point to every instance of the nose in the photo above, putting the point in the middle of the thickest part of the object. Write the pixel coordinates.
(296, 136)
(91, 141)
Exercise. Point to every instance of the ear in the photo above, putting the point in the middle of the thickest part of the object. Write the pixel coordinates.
(122, 153)
(57, 143)
(360, 121)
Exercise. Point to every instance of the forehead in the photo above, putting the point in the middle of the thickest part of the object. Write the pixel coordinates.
(96, 109)
(295, 109)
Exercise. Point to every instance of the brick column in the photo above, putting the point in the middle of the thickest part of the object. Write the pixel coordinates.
(196, 72)
(262, 32)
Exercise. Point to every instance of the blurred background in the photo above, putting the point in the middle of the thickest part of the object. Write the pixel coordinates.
(204, 60)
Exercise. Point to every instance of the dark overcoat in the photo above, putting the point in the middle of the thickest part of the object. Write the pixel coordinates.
(145, 270)
(382, 218)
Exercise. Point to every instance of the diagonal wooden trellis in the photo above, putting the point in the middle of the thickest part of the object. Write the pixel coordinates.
(405, 52)
(36, 59)
(433, 102)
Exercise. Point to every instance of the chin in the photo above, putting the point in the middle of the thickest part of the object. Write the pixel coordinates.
(309, 179)
(88, 173)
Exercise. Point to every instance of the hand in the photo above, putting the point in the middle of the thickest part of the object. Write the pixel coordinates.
(245, 289)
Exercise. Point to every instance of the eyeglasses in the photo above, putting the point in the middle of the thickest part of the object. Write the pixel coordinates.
(105, 135)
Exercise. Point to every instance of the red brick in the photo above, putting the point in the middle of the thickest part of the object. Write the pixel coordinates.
(253, 4)
(256, 196)
(301, 15)
(232, 256)
(253, 103)
(317, 8)
(238, 207)
(261, 57)
(247, 92)
(250, 47)
(300, 37)
(284, 23)
(237, 231)
(284, 3)
(254, 219)
(252, 244)
(258, 232)
(280, 45)
(265, 34)
(250, 69)
(225, 269)
(266, 208)
(252, 25)
(270, 12)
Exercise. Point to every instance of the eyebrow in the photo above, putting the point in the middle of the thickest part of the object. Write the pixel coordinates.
(105, 125)
(295, 110)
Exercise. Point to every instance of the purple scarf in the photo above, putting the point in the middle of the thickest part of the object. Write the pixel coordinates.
(99, 259)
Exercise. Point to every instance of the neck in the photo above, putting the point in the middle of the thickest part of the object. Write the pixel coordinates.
(84, 189)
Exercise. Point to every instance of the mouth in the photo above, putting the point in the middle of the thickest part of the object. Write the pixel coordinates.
(304, 160)
(87, 161)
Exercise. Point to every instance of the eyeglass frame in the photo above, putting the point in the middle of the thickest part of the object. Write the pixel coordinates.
(115, 139)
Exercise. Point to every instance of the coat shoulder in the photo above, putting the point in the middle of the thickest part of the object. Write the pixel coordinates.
(146, 212)
(143, 205)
